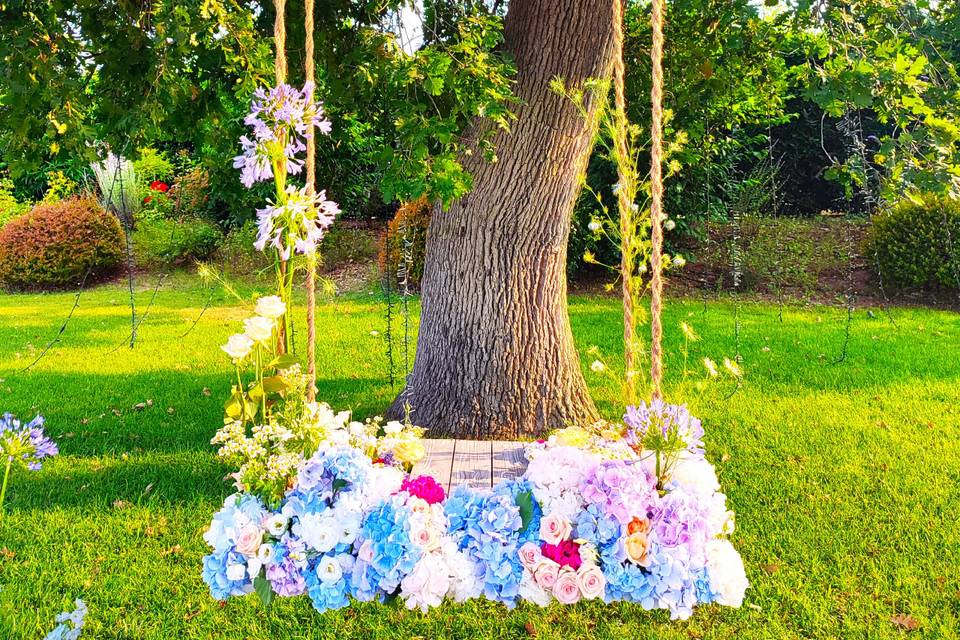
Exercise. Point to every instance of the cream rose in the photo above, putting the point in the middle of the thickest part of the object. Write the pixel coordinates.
(238, 346)
(554, 528)
(259, 329)
(270, 307)
(410, 451)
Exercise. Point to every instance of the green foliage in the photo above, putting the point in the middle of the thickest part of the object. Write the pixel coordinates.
(916, 243)
(887, 59)
(345, 244)
(10, 208)
(60, 186)
(58, 244)
(153, 165)
(161, 242)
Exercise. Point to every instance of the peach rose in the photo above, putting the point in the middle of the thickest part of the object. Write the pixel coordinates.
(566, 590)
(554, 528)
(591, 581)
(249, 539)
(636, 545)
(546, 573)
(638, 525)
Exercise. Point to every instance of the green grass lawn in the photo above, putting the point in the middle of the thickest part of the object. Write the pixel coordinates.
(845, 477)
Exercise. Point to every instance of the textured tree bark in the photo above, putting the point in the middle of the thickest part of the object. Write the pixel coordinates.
(495, 354)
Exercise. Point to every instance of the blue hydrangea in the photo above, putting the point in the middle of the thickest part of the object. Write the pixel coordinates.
(327, 593)
(487, 529)
(385, 552)
(593, 525)
(215, 567)
(514, 488)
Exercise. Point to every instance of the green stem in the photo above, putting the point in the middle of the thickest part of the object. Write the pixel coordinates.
(243, 397)
(3, 490)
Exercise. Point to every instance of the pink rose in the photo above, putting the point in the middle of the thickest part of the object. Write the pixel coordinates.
(591, 581)
(554, 528)
(365, 552)
(530, 555)
(546, 573)
(425, 538)
(249, 539)
(566, 590)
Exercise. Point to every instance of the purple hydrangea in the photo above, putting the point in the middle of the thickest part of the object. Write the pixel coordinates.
(623, 489)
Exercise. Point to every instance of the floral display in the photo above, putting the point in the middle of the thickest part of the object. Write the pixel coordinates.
(594, 517)
(24, 445)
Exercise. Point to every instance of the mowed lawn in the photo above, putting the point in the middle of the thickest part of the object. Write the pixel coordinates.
(845, 476)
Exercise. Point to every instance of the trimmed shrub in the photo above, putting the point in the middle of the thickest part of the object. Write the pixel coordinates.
(57, 244)
(405, 242)
(917, 244)
(160, 242)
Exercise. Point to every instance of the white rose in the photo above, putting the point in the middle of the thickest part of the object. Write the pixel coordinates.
(270, 307)
(238, 346)
(329, 570)
(393, 428)
(695, 473)
(259, 329)
(276, 525)
(236, 572)
(319, 532)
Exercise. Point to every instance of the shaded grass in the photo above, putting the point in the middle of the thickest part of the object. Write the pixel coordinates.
(844, 476)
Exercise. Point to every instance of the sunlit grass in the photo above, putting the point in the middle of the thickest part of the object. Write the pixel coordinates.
(844, 476)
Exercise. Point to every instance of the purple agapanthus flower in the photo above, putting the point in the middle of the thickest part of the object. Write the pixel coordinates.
(25, 443)
(282, 119)
(297, 225)
(663, 421)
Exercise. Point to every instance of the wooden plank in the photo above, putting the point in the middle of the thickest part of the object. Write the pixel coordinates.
(472, 464)
(508, 461)
(438, 462)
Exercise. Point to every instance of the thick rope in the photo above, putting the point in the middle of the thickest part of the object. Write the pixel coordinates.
(627, 228)
(309, 74)
(656, 201)
(280, 40)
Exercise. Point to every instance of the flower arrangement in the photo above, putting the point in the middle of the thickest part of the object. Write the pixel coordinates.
(23, 444)
(590, 519)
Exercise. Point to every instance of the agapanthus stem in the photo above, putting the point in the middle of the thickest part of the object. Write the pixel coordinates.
(3, 490)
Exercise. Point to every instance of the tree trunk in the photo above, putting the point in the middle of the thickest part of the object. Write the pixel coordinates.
(495, 354)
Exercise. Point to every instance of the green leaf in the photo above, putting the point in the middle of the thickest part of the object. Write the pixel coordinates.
(263, 589)
(525, 502)
(283, 361)
(274, 384)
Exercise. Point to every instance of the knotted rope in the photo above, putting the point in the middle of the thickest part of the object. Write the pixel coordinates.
(280, 40)
(656, 200)
(621, 151)
(312, 258)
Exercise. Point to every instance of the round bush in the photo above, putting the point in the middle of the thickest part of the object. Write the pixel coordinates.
(917, 244)
(405, 242)
(56, 244)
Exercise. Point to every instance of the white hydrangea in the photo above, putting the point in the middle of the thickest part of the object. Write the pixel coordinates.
(728, 581)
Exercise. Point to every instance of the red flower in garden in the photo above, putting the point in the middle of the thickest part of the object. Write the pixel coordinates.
(159, 185)
(147, 199)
